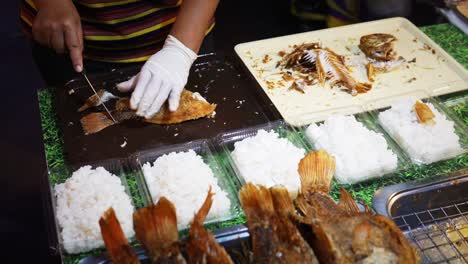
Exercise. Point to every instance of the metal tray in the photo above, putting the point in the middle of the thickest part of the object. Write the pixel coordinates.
(432, 214)
(215, 77)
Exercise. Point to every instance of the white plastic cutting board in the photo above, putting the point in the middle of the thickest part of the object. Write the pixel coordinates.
(434, 71)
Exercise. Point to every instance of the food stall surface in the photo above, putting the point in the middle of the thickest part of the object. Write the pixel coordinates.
(448, 37)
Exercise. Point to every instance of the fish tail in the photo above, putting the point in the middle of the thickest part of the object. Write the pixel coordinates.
(156, 226)
(257, 202)
(95, 122)
(114, 238)
(200, 216)
(282, 201)
(316, 171)
(347, 202)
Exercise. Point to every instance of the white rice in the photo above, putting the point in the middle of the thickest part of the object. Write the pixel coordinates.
(424, 143)
(360, 153)
(184, 179)
(82, 200)
(269, 160)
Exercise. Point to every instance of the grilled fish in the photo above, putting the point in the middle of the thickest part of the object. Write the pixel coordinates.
(116, 244)
(275, 239)
(424, 113)
(341, 233)
(378, 46)
(201, 245)
(156, 228)
(190, 108)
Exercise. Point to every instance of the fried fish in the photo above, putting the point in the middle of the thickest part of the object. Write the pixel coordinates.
(201, 246)
(94, 101)
(116, 243)
(378, 46)
(191, 107)
(424, 113)
(275, 239)
(341, 232)
(156, 228)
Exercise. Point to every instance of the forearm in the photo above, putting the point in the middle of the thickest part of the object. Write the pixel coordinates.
(193, 21)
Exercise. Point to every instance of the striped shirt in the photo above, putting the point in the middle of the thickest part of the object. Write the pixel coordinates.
(119, 31)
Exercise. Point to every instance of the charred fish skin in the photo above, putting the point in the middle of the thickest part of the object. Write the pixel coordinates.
(275, 239)
(343, 234)
(202, 246)
(378, 46)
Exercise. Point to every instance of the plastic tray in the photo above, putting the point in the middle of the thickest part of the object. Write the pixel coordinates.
(460, 128)
(61, 174)
(204, 149)
(367, 120)
(226, 141)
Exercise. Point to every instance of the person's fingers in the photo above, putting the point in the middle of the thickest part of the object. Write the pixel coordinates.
(140, 87)
(57, 42)
(151, 92)
(174, 99)
(74, 48)
(128, 85)
(159, 101)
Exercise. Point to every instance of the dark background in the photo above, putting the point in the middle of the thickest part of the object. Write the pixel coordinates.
(22, 231)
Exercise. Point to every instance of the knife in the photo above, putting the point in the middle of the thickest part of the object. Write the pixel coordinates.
(99, 98)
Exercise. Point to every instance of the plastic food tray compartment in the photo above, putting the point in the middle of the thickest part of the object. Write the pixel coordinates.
(225, 142)
(204, 149)
(60, 174)
(369, 122)
(460, 128)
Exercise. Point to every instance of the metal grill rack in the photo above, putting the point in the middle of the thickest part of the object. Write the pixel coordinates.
(441, 234)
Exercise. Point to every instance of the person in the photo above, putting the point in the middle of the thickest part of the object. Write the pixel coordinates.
(167, 34)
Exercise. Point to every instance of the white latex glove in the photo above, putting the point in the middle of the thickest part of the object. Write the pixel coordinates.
(163, 76)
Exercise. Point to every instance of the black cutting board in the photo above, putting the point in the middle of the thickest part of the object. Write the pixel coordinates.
(220, 80)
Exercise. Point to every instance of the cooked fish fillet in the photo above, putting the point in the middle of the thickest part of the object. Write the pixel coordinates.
(190, 108)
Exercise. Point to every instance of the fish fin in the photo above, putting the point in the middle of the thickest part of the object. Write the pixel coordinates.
(95, 122)
(257, 202)
(200, 216)
(363, 87)
(156, 227)
(282, 202)
(114, 238)
(316, 171)
(370, 72)
(347, 202)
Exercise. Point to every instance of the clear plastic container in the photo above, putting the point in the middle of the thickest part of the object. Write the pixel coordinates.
(367, 120)
(459, 127)
(204, 149)
(62, 173)
(225, 142)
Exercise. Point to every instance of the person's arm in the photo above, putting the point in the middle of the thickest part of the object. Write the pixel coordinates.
(193, 21)
(165, 74)
(57, 25)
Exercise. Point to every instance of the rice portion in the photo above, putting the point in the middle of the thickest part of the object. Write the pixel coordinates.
(424, 143)
(360, 153)
(269, 160)
(184, 179)
(82, 200)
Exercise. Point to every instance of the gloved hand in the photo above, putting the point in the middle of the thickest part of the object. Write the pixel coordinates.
(163, 76)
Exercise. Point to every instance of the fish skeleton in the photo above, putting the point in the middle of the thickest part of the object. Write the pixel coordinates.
(341, 232)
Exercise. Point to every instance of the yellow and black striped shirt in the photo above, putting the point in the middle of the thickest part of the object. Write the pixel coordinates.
(119, 30)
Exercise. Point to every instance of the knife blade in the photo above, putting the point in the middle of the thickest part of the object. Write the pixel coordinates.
(99, 98)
